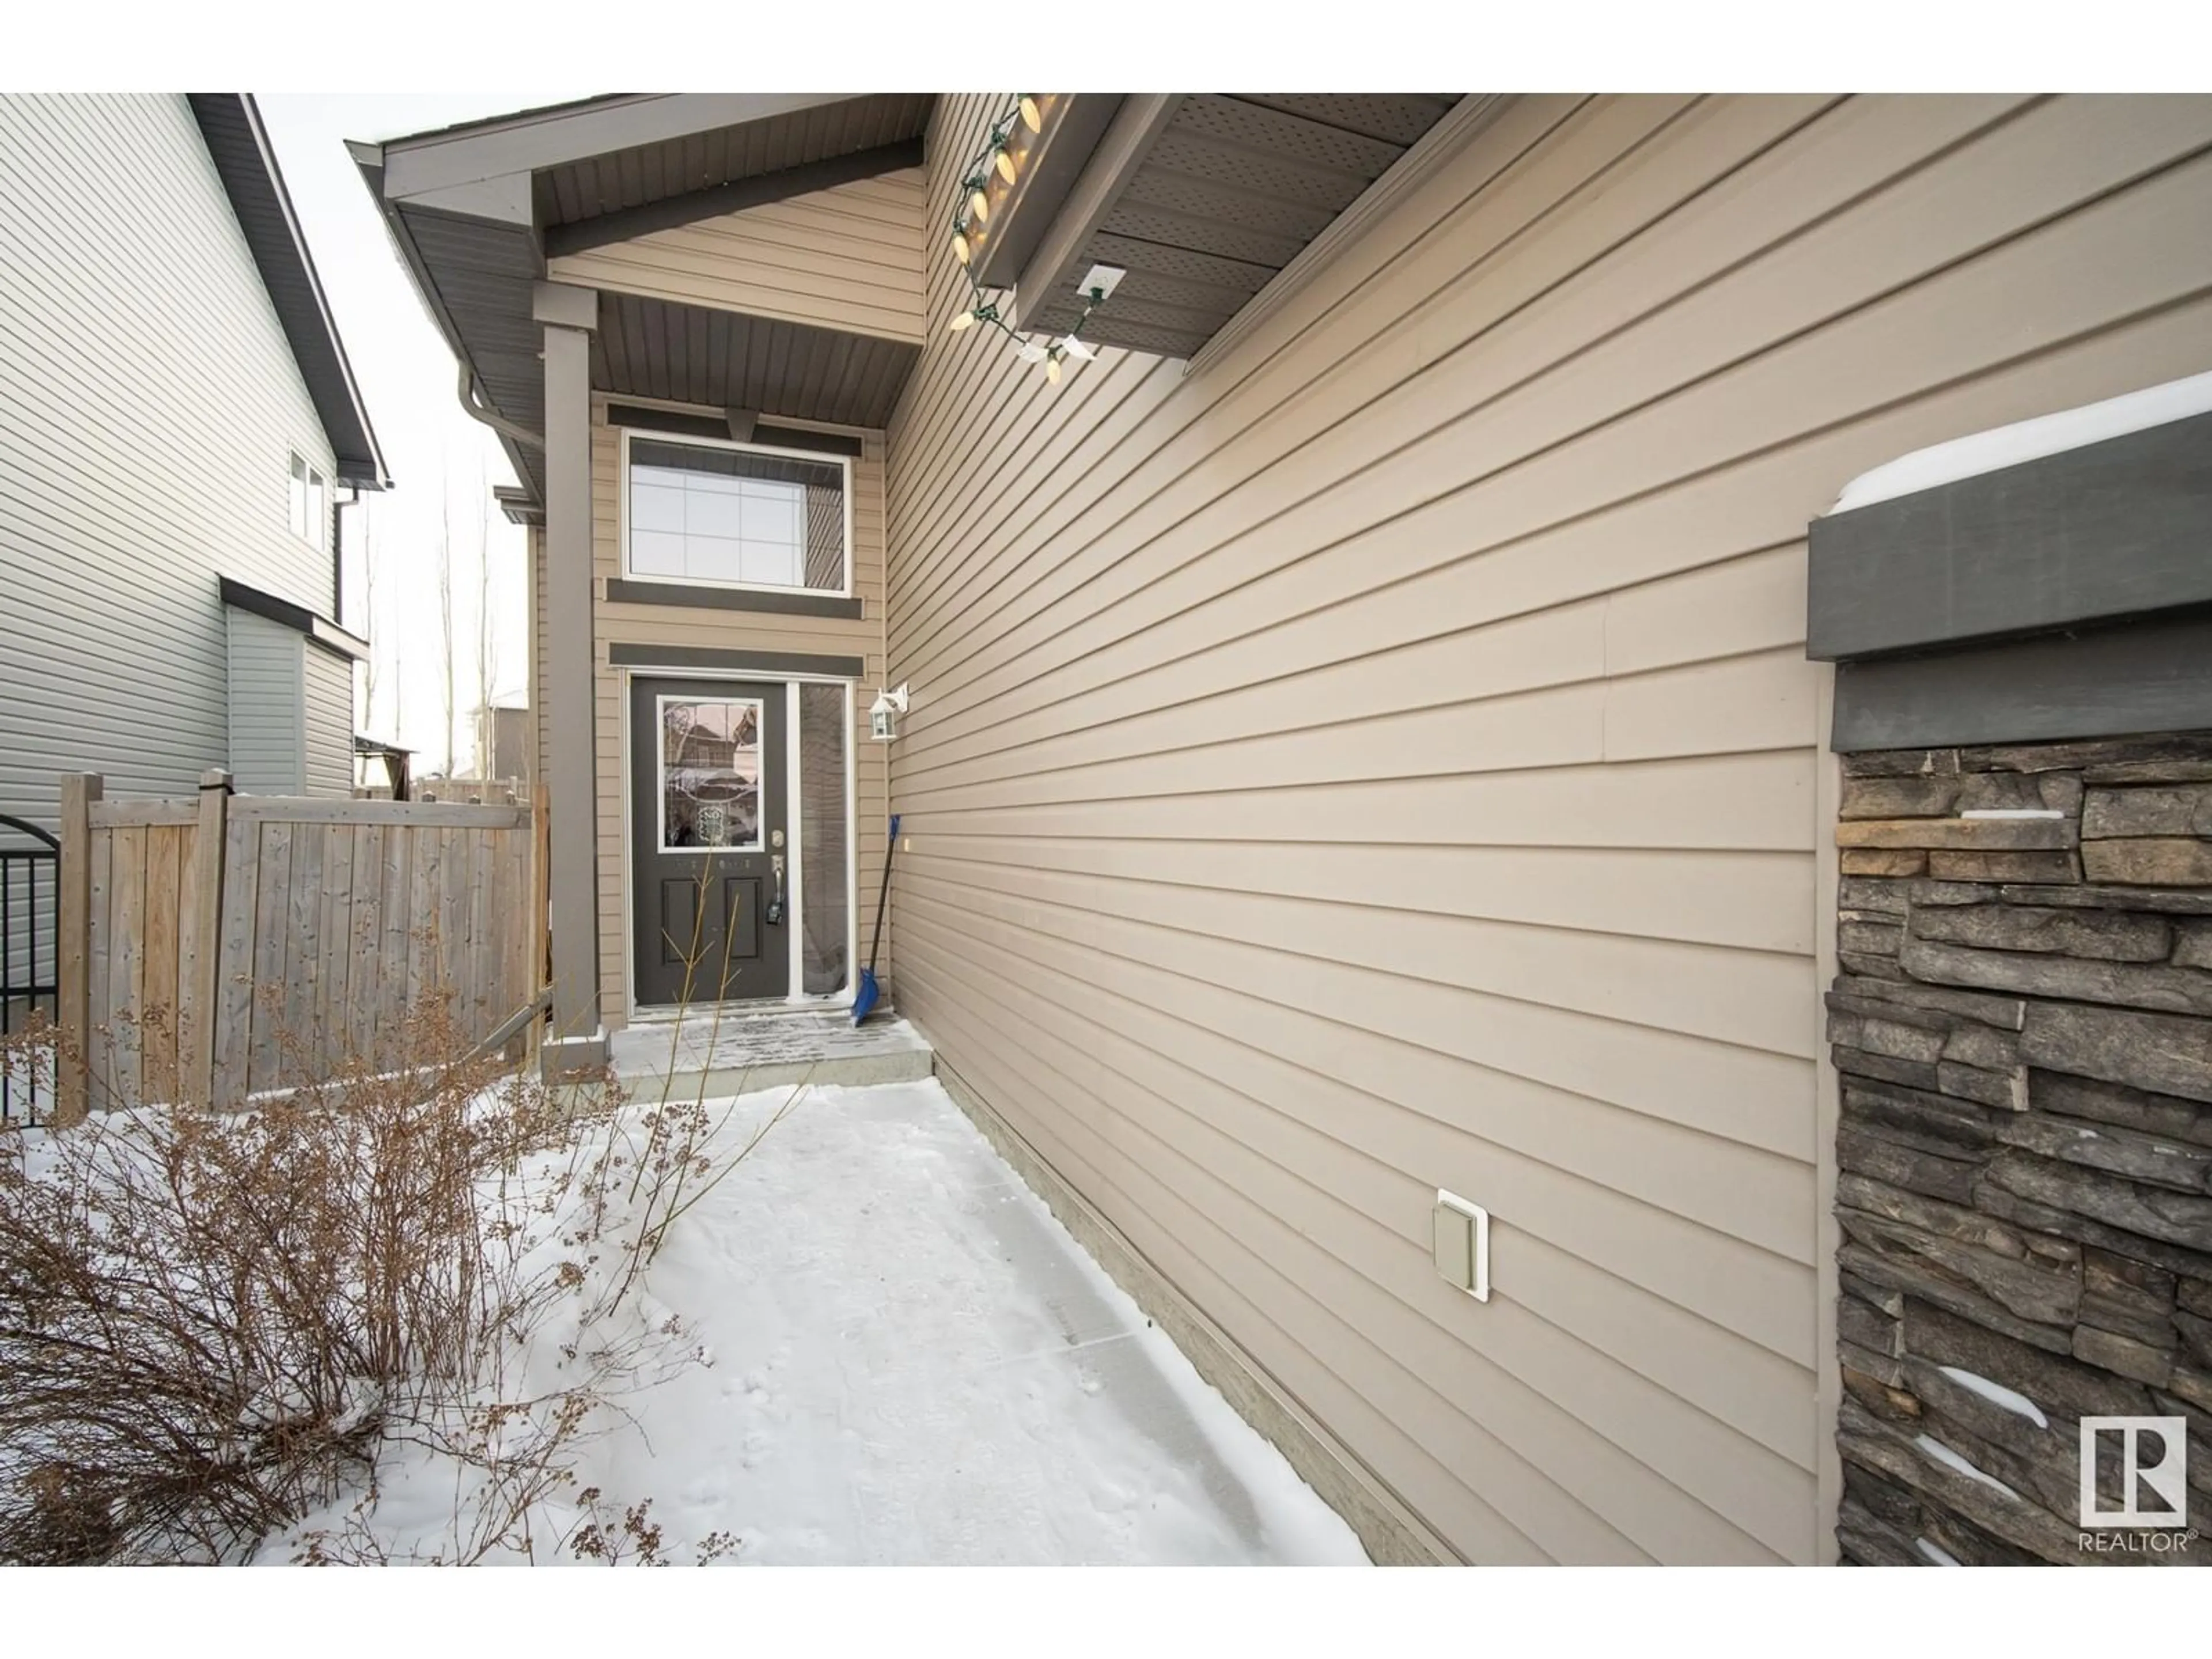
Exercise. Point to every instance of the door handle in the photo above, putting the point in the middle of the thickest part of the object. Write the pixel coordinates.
(775, 904)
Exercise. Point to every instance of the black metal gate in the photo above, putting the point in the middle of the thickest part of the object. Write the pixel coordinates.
(30, 867)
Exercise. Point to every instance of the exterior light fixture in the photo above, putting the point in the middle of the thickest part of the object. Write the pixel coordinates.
(884, 713)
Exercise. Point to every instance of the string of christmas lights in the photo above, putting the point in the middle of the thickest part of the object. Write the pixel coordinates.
(973, 212)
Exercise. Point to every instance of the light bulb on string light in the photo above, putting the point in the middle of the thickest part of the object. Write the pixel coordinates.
(1032, 117)
(961, 251)
(978, 203)
(1005, 165)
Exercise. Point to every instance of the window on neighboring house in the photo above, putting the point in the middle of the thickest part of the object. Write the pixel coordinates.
(311, 503)
(736, 516)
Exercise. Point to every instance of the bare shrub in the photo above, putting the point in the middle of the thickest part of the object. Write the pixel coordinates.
(215, 1323)
(206, 1319)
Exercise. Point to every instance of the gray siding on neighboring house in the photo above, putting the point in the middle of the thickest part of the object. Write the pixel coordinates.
(148, 407)
(266, 732)
(1387, 758)
(327, 710)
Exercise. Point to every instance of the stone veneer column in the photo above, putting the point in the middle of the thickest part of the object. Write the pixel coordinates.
(2023, 1027)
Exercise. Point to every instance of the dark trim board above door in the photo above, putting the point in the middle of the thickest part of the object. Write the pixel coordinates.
(622, 590)
(640, 418)
(620, 655)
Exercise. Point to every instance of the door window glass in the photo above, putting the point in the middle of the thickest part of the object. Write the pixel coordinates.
(710, 774)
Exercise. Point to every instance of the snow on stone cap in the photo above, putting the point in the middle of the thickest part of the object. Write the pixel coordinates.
(2028, 440)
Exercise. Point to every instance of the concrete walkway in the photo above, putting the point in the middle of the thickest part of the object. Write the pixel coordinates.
(704, 1054)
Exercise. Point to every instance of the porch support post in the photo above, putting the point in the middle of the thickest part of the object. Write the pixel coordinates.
(576, 1040)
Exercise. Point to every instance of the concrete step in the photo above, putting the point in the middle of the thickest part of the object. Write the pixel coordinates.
(742, 1052)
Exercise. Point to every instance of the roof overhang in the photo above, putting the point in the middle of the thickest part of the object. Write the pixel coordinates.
(1207, 201)
(530, 142)
(245, 162)
(517, 505)
(319, 630)
(476, 210)
(758, 365)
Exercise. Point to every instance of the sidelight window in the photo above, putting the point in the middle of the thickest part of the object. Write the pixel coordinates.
(825, 733)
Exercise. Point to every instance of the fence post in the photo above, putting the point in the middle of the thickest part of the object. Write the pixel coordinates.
(201, 989)
(73, 969)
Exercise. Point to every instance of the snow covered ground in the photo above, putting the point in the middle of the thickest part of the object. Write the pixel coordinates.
(912, 1362)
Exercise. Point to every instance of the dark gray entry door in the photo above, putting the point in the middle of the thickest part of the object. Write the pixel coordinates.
(710, 849)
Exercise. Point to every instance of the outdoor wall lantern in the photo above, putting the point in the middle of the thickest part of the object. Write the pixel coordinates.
(884, 711)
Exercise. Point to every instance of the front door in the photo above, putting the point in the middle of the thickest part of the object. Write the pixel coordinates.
(710, 854)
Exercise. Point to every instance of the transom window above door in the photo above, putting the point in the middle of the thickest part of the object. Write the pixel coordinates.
(735, 516)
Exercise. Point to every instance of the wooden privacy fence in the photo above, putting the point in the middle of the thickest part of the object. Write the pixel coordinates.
(215, 949)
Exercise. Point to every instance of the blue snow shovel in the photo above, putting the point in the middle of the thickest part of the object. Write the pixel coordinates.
(870, 994)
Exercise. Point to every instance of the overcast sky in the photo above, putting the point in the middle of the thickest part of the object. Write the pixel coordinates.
(443, 463)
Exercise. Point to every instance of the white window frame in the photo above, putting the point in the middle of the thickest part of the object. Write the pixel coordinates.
(797, 996)
(661, 703)
(685, 440)
(314, 485)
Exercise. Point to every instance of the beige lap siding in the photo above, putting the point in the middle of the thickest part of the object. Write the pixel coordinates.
(1386, 759)
(849, 257)
(728, 630)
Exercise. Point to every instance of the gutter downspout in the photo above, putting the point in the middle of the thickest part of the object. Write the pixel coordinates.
(337, 551)
(505, 428)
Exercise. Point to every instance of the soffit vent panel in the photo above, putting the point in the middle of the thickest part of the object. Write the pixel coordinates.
(1230, 192)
